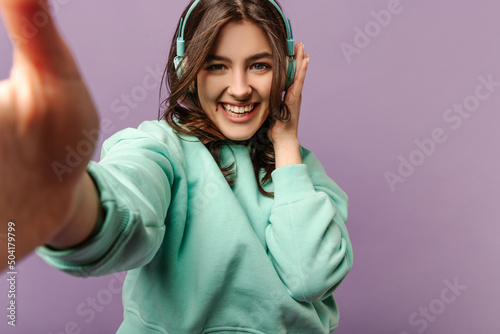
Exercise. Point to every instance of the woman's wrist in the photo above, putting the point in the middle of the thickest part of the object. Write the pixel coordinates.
(287, 152)
(81, 223)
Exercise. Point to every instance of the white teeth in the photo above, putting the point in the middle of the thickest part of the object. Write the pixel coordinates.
(237, 111)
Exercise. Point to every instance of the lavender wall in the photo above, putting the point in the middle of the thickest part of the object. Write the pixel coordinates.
(382, 101)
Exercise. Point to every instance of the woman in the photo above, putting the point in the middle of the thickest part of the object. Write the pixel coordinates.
(225, 223)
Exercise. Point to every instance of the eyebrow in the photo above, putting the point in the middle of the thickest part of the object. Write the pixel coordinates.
(248, 60)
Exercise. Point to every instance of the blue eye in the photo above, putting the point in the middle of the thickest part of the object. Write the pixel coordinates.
(215, 67)
(261, 66)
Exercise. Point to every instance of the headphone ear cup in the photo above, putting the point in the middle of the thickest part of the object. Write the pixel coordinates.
(178, 66)
(290, 72)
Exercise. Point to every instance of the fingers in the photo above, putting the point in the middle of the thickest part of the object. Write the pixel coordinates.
(302, 61)
(5, 96)
(35, 37)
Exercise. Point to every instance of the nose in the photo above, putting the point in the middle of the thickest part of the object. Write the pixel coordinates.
(239, 87)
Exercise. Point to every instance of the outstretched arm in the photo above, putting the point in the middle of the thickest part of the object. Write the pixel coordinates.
(45, 112)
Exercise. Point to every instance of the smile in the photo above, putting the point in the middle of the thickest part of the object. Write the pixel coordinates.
(238, 111)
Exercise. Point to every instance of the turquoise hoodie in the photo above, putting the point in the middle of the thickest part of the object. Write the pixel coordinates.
(207, 257)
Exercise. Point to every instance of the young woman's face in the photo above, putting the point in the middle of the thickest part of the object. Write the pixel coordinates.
(234, 85)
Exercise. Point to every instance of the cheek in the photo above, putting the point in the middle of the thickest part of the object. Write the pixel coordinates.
(205, 91)
(212, 87)
(267, 84)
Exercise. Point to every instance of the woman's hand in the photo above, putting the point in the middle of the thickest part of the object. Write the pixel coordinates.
(284, 135)
(288, 131)
(48, 129)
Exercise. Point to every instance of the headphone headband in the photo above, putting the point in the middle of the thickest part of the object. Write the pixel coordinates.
(288, 27)
(182, 25)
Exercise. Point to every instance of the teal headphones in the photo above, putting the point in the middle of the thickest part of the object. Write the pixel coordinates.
(289, 40)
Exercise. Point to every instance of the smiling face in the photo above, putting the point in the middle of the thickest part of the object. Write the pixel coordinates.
(234, 85)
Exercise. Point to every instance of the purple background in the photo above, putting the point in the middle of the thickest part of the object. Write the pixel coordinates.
(359, 115)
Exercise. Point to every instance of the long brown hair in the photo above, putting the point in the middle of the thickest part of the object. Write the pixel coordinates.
(183, 110)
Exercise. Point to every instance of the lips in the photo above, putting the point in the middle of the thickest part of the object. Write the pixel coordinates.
(238, 110)
(239, 113)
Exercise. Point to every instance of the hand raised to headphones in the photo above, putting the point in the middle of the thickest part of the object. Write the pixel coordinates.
(286, 132)
(45, 109)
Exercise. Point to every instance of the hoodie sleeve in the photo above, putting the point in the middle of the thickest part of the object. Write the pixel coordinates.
(307, 237)
(134, 179)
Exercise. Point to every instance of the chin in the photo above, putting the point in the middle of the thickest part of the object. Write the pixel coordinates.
(239, 136)
(241, 132)
(238, 132)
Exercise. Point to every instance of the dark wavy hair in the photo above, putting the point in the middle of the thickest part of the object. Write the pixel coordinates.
(182, 108)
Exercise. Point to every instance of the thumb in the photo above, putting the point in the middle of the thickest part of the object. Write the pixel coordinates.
(35, 37)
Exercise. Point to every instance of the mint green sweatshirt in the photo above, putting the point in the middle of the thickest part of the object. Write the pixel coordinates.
(207, 257)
